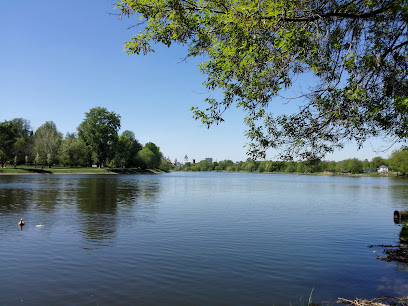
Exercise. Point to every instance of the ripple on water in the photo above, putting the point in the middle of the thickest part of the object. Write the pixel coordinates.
(197, 239)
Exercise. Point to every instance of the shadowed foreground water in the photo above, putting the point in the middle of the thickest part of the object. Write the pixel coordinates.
(197, 238)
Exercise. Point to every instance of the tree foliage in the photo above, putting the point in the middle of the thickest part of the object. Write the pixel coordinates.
(399, 160)
(129, 147)
(16, 139)
(20, 145)
(158, 156)
(99, 130)
(47, 142)
(74, 152)
(123, 151)
(7, 139)
(354, 52)
(146, 158)
(150, 156)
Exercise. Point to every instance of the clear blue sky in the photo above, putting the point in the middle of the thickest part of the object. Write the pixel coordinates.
(58, 59)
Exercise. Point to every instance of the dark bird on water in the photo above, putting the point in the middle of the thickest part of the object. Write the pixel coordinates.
(21, 223)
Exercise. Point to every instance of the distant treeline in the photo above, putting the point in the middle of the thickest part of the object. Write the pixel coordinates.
(96, 142)
(398, 162)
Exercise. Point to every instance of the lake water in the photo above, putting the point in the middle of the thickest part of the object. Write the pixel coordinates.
(197, 239)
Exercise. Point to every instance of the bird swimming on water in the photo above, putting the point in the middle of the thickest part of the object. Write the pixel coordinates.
(21, 223)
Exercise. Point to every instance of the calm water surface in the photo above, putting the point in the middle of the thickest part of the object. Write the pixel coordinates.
(197, 239)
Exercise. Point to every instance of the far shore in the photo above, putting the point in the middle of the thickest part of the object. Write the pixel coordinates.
(80, 171)
(109, 171)
(55, 173)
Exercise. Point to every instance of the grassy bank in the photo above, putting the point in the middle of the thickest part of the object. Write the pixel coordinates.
(65, 170)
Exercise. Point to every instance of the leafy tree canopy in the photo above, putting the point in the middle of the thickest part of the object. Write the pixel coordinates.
(127, 149)
(73, 151)
(147, 158)
(7, 140)
(123, 151)
(158, 156)
(47, 142)
(99, 130)
(15, 136)
(399, 160)
(355, 52)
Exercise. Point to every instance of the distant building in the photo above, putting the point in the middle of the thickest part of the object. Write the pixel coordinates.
(209, 159)
(382, 169)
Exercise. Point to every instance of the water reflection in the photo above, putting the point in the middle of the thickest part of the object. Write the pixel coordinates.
(397, 285)
(399, 193)
(14, 200)
(100, 199)
(97, 203)
(197, 238)
(94, 206)
(47, 194)
(98, 195)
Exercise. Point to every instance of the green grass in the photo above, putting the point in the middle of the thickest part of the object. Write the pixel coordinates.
(11, 170)
(76, 170)
(46, 170)
(66, 170)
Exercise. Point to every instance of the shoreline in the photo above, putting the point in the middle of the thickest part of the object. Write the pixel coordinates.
(57, 173)
(36, 171)
(370, 174)
(129, 171)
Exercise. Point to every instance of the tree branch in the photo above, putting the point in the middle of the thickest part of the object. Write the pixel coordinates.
(332, 14)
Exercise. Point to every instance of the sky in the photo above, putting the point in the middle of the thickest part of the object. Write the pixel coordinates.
(59, 59)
